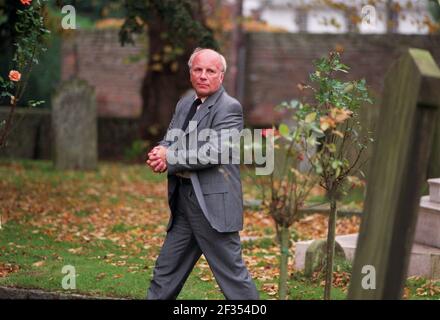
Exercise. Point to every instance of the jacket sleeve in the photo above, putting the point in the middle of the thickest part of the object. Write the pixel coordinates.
(164, 142)
(228, 116)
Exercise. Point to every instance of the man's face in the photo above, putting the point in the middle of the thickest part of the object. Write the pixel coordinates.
(206, 73)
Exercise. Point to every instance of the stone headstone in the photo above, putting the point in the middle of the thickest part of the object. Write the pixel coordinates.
(425, 251)
(404, 137)
(316, 256)
(428, 222)
(434, 190)
(74, 126)
(424, 260)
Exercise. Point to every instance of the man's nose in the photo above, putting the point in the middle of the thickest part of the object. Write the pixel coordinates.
(203, 74)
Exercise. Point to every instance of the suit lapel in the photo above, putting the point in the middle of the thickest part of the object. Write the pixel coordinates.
(205, 108)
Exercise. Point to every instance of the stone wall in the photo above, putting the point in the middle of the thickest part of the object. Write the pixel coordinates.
(32, 136)
(116, 72)
(276, 63)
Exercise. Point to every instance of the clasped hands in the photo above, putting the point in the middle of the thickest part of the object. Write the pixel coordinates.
(157, 159)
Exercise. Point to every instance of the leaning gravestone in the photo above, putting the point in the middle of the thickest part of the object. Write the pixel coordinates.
(404, 138)
(316, 256)
(74, 126)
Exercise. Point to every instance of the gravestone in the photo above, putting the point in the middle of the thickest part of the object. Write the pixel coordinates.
(434, 162)
(316, 255)
(74, 126)
(428, 223)
(398, 168)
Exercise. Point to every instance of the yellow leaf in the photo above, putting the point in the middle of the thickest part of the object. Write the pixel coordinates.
(167, 49)
(327, 122)
(324, 126)
(340, 115)
(157, 67)
(296, 172)
(174, 66)
(101, 275)
(77, 250)
(310, 117)
(38, 264)
(348, 88)
(338, 133)
(205, 278)
(156, 57)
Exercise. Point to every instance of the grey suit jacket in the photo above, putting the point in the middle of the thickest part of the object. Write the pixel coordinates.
(217, 186)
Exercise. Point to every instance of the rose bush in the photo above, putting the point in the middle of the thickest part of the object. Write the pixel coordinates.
(29, 43)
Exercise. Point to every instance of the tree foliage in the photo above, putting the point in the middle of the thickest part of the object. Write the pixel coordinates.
(179, 17)
(29, 33)
(334, 129)
(174, 29)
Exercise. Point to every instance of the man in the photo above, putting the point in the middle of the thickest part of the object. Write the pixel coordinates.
(205, 198)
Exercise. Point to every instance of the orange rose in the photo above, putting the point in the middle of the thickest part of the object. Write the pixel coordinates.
(26, 2)
(14, 75)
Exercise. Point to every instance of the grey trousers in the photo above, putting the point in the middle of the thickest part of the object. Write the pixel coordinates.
(189, 237)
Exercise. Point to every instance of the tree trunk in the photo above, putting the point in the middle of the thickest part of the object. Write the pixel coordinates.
(237, 43)
(392, 17)
(161, 89)
(284, 246)
(330, 247)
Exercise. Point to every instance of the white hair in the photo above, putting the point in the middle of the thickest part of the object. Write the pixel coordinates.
(197, 50)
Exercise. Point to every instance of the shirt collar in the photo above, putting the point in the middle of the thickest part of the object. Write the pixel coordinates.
(202, 99)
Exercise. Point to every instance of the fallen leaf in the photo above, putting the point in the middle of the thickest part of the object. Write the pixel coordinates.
(38, 264)
(75, 251)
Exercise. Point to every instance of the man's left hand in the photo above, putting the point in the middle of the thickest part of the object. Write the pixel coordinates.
(157, 159)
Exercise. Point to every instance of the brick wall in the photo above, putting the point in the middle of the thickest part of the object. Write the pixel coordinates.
(106, 65)
(276, 63)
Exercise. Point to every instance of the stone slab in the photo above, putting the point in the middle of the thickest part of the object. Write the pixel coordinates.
(424, 260)
(434, 190)
(428, 223)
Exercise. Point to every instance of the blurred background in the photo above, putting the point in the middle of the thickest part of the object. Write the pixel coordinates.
(269, 44)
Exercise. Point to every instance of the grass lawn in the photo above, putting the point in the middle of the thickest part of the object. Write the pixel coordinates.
(110, 224)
